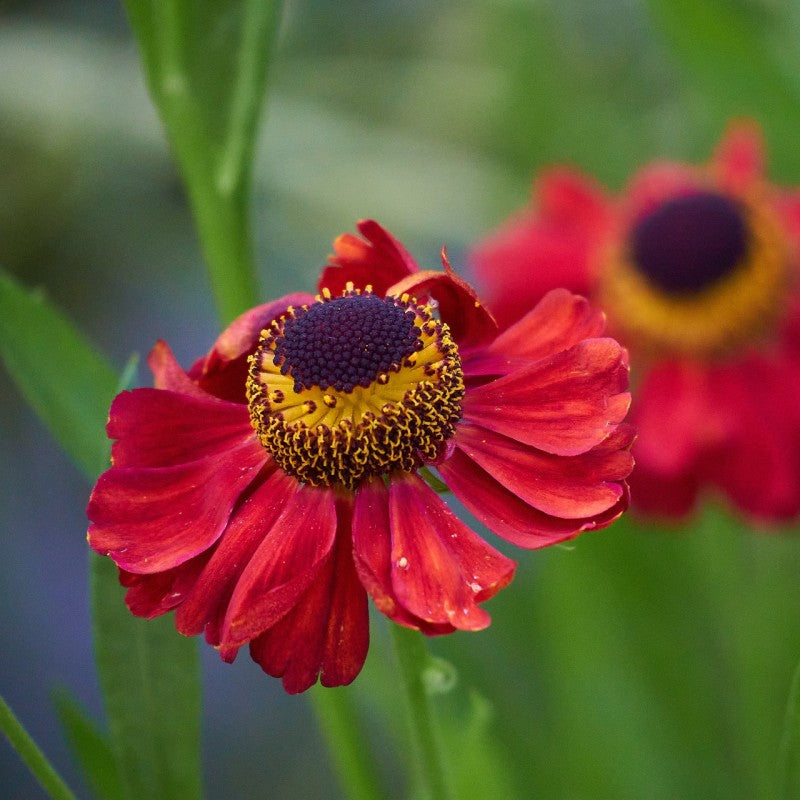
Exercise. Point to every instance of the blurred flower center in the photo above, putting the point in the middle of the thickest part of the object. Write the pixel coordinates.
(700, 275)
(355, 386)
(689, 243)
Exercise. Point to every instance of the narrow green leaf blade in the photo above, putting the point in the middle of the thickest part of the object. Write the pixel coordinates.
(790, 743)
(67, 382)
(90, 746)
(33, 757)
(150, 679)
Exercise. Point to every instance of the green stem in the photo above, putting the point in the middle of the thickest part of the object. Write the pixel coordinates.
(413, 657)
(218, 177)
(336, 715)
(37, 763)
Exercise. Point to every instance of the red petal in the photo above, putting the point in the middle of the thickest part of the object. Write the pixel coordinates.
(150, 596)
(760, 465)
(510, 517)
(739, 157)
(372, 550)
(576, 487)
(168, 373)
(557, 322)
(379, 261)
(223, 372)
(160, 428)
(547, 246)
(283, 566)
(469, 321)
(327, 632)
(565, 404)
(152, 519)
(208, 600)
(677, 418)
(441, 570)
(660, 181)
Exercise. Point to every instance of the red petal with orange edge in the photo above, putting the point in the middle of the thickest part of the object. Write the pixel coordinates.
(441, 570)
(327, 633)
(565, 404)
(223, 371)
(283, 566)
(578, 487)
(378, 260)
(151, 519)
(510, 517)
(739, 157)
(160, 428)
(470, 322)
(208, 599)
(372, 550)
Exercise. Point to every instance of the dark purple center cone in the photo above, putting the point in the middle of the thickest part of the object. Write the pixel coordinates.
(346, 342)
(689, 243)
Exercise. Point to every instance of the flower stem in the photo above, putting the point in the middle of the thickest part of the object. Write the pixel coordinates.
(28, 751)
(336, 715)
(413, 657)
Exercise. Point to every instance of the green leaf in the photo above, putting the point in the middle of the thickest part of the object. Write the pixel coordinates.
(66, 381)
(150, 679)
(90, 746)
(206, 67)
(790, 742)
(33, 757)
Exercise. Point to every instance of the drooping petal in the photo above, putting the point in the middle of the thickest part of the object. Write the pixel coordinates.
(758, 466)
(470, 322)
(326, 633)
(223, 371)
(558, 321)
(152, 519)
(377, 259)
(151, 596)
(207, 602)
(290, 556)
(441, 570)
(160, 428)
(564, 404)
(372, 551)
(738, 160)
(582, 486)
(510, 517)
(677, 417)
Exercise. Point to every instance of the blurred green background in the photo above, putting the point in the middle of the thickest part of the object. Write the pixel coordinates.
(638, 663)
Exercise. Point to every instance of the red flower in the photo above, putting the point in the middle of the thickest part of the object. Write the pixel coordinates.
(265, 492)
(697, 270)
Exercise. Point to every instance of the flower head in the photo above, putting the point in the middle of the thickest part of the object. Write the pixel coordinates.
(696, 267)
(266, 492)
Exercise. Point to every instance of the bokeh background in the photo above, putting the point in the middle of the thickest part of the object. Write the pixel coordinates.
(638, 662)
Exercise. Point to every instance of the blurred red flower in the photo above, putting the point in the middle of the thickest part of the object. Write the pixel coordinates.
(696, 267)
(265, 492)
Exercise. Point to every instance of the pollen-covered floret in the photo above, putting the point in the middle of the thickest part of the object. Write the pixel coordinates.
(355, 386)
